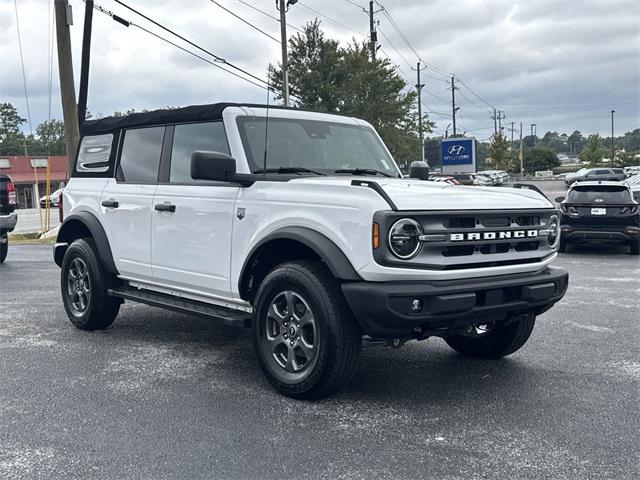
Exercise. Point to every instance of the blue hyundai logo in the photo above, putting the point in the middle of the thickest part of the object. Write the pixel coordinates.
(455, 149)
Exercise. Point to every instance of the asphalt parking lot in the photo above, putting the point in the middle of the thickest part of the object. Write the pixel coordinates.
(164, 395)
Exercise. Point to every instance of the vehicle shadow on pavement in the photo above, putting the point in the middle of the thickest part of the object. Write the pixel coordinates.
(425, 372)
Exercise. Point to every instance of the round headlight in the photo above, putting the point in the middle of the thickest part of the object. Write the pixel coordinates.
(554, 231)
(404, 238)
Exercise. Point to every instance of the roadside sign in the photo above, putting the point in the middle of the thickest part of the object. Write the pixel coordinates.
(458, 155)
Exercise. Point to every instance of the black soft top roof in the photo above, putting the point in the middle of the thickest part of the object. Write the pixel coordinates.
(194, 113)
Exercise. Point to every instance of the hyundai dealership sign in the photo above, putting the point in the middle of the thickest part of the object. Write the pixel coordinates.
(458, 155)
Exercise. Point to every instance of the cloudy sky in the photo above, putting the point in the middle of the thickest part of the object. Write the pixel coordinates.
(563, 65)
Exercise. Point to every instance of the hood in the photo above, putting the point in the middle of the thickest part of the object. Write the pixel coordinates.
(409, 194)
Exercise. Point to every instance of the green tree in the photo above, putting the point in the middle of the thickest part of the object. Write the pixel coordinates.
(576, 142)
(50, 138)
(498, 151)
(11, 137)
(323, 76)
(540, 159)
(593, 151)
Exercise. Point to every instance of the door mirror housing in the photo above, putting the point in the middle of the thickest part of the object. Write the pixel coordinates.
(419, 170)
(559, 199)
(214, 166)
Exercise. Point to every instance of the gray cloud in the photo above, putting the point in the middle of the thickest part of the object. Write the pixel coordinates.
(561, 64)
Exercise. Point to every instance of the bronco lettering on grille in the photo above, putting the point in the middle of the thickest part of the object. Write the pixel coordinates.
(461, 237)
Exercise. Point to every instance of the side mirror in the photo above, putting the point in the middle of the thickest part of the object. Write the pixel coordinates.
(419, 170)
(559, 199)
(215, 166)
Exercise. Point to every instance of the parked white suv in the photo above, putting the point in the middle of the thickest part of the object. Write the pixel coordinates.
(300, 226)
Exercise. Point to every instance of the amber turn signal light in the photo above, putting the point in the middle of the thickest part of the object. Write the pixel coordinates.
(375, 236)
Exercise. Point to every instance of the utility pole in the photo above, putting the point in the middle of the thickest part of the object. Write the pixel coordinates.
(64, 18)
(373, 34)
(454, 109)
(521, 156)
(419, 87)
(501, 116)
(495, 121)
(282, 8)
(613, 153)
(512, 157)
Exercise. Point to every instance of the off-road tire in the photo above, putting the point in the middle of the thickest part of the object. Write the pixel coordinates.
(339, 335)
(500, 341)
(101, 309)
(635, 247)
(4, 247)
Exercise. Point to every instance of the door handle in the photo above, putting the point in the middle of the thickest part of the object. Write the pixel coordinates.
(165, 207)
(111, 203)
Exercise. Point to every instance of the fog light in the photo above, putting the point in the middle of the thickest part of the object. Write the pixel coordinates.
(416, 305)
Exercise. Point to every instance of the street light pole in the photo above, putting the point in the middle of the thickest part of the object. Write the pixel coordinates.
(612, 151)
(533, 135)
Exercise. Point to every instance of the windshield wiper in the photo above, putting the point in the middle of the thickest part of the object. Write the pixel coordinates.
(362, 171)
(288, 170)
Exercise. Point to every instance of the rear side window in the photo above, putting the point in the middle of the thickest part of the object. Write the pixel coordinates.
(94, 153)
(602, 194)
(140, 156)
(189, 138)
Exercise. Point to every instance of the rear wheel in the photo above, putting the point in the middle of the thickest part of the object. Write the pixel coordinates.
(84, 283)
(4, 247)
(305, 337)
(493, 340)
(635, 247)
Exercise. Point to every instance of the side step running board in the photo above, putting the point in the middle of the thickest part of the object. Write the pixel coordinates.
(230, 317)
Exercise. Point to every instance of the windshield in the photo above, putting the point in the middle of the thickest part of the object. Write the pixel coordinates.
(601, 194)
(316, 145)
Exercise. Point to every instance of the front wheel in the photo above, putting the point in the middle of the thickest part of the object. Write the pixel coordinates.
(493, 340)
(84, 283)
(4, 247)
(305, 337)
(635, 247)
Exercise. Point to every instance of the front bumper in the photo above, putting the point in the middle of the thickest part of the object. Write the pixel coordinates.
(383, 309)
(8, 222)
(601, 234)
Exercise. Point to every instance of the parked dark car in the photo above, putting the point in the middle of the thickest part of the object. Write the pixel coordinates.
(600, 174)
(8, 217)
(600, 212)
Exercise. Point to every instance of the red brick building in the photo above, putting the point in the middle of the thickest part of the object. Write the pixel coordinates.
(23, 171)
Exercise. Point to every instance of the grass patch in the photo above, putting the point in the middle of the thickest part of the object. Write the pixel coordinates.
(29, 238)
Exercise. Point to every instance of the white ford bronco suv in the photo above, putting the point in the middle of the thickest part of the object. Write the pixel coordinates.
(300, 226)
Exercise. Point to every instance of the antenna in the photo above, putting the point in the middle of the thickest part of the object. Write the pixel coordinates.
(266, 126)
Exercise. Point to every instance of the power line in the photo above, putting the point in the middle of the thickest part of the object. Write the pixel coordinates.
(159, 37)
(357, 5)
(269, 15)
(216, 57)
(245, 21)
(475, 94)
(336, 22)
(24, 76)
(394, 47)
(474, 102)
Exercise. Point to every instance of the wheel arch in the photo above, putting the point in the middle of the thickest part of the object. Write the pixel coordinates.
(292, 243)
(82, 225)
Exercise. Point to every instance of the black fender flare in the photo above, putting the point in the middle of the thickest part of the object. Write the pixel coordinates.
(335, 259)
(70, 231)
